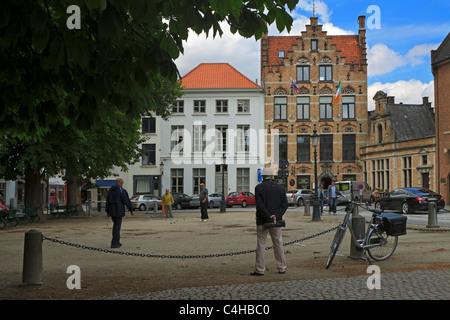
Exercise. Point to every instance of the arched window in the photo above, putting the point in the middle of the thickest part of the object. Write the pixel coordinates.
(380, 133)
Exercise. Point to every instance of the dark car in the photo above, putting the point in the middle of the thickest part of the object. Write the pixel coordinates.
(409, 200)
(242, 198)
(181, 201)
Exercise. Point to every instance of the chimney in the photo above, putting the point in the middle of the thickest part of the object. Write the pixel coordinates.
(391, 99)
(362, 38)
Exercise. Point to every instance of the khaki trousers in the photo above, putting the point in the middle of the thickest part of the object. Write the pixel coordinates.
(277, 240)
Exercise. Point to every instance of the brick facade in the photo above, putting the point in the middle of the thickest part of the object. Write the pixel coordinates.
(317, 63)
(440, 63)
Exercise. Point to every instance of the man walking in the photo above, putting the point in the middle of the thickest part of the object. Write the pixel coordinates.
(115, 208)
(271, 204)
(204, 202)
(167, 201)
(332, 197)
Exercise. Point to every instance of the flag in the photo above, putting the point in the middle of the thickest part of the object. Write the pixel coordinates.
(337, 97)
(294, 85)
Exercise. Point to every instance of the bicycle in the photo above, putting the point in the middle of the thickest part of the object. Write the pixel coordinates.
(379, 241)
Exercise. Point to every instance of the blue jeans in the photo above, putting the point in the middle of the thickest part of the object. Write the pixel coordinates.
(333, 203)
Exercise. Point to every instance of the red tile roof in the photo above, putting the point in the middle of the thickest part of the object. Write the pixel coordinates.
(216, 75)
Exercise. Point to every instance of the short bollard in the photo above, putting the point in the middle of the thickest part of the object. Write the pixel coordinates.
(306, 208)
(432, 215)
(358, 227)
(32, 258)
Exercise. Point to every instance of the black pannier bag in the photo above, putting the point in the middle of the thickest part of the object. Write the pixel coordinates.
(394, 224)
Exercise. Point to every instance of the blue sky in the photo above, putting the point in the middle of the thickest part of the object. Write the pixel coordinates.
(398, 52)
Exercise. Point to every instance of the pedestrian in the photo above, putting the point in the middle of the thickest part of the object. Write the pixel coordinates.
(271, 204)
(332, 197)
(116, 202)
(321, 198)
(204, 203)
(167, 201)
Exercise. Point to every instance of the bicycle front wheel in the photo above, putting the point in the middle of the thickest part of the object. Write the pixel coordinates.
(382, 246)
(336, 243)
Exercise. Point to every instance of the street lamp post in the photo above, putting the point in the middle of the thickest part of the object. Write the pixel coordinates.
(316, 209)
(222, 202)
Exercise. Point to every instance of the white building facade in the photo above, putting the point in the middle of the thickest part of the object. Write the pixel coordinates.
(215, 132)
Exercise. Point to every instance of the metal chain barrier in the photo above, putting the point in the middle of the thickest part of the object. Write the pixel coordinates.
(169, 256)
(429, 230)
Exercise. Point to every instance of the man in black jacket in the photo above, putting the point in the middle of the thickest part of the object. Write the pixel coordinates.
(271, 204)
(115, 208)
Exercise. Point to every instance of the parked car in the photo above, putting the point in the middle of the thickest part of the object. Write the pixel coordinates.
(214, 200)
(409, 200)
(299, 196)
(195, 202)
(242, 198)
(142, 201)
(181, 200)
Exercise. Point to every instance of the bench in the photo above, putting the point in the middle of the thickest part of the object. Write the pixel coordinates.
(58, 211)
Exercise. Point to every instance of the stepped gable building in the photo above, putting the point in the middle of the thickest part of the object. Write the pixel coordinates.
(440, 66)
(301, 75)
(401, 149)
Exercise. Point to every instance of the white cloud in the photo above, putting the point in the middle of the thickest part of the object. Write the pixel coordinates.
(409, 92)
(320, 8)
(383, 60)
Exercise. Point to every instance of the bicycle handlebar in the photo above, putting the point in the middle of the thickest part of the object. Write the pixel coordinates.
(374, 210)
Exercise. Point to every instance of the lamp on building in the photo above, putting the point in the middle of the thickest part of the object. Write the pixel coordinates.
(222, 202)
(316, 210)
(161, 167)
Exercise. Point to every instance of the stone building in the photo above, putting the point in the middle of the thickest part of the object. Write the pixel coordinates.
(440, 66)
(315, 64)
(401, 147)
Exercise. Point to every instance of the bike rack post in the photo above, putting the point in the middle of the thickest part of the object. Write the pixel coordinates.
(358, 227)
(432, 215)
(32, 258)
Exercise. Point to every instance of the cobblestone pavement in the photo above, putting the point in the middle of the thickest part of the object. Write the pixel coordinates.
(414, 285)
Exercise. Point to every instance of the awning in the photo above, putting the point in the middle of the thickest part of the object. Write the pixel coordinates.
(105, 183)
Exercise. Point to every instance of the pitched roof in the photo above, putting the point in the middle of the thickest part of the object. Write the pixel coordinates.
(443, 52)
(216, 76)
(411, 121)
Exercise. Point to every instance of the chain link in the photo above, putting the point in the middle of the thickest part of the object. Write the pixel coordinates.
(202, 256)
(169, 256)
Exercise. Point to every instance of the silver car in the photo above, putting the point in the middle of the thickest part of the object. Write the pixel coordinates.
(299, 196)
(214, 200)
(142, 201)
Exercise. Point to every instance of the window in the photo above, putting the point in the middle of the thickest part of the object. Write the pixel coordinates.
(280, 111)
(282, 147)
(326, 147)
(326, 108)
(178, 106)
(407, 172)
(302, 108)
(303, 145)
(243, 106)
(348, 107)
(148, 154)
(143, 186)
(243, 179)
(242, 142)
(199, 141)
(280, 54)
(221, 138)
(198, 176)
(148, 125)
(302, 73)
(303, 182)
(348, 147)
(325, 73)
(177, 179)
(176, 138)
(314, 45)
(199, 106)
(221, 106)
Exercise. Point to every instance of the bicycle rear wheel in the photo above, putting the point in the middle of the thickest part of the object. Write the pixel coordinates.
(385, 244)
(336, 243)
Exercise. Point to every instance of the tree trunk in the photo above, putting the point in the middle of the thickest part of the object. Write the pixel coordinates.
(73, 192)
(33, 189)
